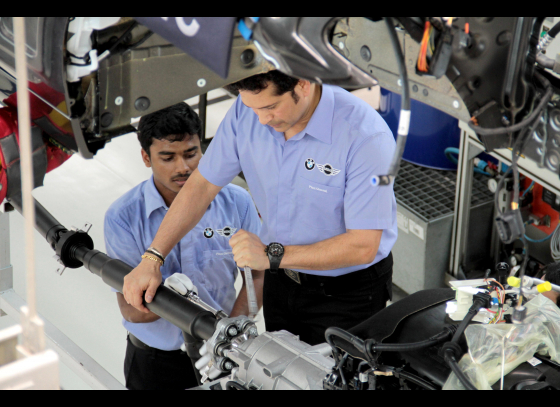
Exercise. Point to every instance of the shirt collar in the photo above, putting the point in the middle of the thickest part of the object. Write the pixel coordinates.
(320, 124)
(152, 198)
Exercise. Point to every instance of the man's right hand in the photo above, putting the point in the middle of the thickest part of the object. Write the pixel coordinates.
(146, 277)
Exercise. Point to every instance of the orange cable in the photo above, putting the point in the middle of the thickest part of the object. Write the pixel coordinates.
(422, 64)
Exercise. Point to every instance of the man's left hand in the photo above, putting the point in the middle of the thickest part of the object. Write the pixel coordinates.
(248, 251)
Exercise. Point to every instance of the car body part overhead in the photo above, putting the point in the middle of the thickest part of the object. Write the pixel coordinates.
(301, 47)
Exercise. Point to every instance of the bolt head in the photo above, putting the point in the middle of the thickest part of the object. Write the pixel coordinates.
(228, 365)
(247, 57)
(365, 53)
(142, 103)
(232, 331)
(106, 119)
(119, 100)
(201, 83)
(456, 104)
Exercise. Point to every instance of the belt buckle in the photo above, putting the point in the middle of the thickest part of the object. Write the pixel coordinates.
(294, 275)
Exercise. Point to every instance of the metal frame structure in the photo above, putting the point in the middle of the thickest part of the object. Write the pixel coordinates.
(470, 147)
(70, 354)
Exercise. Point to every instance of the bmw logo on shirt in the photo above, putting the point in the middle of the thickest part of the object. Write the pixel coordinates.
(226, 231)
(309, 164)
(208, 233)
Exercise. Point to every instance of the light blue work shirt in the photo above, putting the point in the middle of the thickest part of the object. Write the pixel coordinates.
(204, 254)
(317, 184)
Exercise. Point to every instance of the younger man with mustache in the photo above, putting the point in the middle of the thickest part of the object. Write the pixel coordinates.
(171, 147)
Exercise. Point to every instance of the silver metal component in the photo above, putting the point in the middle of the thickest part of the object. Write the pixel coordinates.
(119, 100)
(229, 335)
(251, 293)
(278, 361)
(201, 83)
(544, 43)
(232, 331)
(195, 299)
(253, 332)
(203, 378)
(228, 365)
(456, 104)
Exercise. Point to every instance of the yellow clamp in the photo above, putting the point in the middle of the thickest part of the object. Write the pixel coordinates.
(544, 287)
(514, 281)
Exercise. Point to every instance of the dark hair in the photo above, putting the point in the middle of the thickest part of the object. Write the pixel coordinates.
(174, 123)
(256, 83)
(552, 273)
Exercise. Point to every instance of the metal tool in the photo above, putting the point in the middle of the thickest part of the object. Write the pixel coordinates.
(251, 294)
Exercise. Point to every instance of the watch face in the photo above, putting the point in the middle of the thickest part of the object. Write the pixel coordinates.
(276, 249)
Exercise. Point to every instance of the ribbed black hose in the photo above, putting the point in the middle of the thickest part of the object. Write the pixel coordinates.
(410, 347)
(452, 363)
(332, 332)
(463, 325)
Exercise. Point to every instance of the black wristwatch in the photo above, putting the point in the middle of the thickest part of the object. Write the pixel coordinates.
(275, 253)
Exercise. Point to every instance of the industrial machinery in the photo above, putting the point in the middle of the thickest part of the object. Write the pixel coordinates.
(413, 344)
(90, 77)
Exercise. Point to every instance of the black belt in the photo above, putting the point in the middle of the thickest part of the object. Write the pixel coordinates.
(313, 281)
(141, 345)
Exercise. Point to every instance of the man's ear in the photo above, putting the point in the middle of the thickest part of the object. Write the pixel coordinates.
(304, 86)
(146, 159)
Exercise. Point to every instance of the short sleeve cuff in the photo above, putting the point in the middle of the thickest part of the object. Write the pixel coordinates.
(371, 224)
(207, 173)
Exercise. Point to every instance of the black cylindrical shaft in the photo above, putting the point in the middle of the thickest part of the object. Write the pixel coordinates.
(172, 307)
(45, 223)
(167, 304)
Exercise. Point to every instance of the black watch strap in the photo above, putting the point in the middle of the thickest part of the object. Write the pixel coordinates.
(275, 252)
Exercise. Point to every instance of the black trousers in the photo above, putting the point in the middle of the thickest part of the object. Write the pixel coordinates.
(153, 369)
(344, 302)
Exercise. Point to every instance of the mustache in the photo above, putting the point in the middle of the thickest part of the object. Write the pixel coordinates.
(181, 177)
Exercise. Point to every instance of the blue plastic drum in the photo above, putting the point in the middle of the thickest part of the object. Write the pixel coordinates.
(431, 131)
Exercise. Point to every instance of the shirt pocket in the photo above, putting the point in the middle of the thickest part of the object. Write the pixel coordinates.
(220, 272)
(319, 206)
